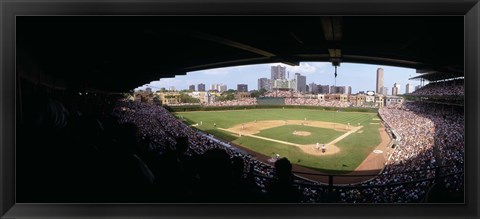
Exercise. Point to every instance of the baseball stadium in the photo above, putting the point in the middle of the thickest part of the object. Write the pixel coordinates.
(91, 136)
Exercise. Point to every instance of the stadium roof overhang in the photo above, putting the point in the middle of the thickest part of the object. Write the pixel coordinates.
(436, 76)
(117, 54)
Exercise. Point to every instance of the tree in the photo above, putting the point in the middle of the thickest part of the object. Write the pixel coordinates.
(156, 100)
(226, 96)
(185, 98)
(258, 93)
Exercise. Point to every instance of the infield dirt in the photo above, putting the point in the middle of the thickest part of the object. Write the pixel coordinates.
(372, 165)
(251, 128)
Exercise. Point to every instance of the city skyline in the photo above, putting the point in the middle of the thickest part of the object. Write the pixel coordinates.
(361, 77)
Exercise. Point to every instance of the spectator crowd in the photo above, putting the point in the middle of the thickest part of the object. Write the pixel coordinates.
(239, 102)
(444, 88)
(317, 102)
(430, 136)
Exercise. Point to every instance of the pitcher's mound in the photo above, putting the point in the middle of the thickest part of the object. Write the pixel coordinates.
(302, 133)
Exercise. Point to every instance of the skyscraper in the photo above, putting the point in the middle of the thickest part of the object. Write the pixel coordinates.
(278, 72)
(395, 89)
(313, 88)
(301, 83)
(191, 87)
(379, 80)
(201, 87)
(223, 88)
(408, 88)
(242, 88)
(263, 83)
(384, 91)
(338, 89)
(323, 89)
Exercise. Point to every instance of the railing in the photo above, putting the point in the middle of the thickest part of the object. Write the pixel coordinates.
(327, 189)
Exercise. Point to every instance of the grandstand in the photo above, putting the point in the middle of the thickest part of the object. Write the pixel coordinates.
(446, 89)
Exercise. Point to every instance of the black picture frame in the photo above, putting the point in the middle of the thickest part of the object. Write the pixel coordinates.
(470, 9)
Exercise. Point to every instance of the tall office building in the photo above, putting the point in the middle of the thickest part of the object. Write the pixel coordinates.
(201, 87)
(409, 88)
(313, 88)
(323, 89)
(338, 89)
(384, 91)
(379, 80)
(223, 88)
(333, 89)
(242, 88)
(218, 87)
(278, 72)
(301, 83)
(263, 83)
(395, 89)
(349, 90)
(191, 87)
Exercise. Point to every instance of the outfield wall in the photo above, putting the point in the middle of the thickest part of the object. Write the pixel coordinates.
(271, 100)
(220, 108)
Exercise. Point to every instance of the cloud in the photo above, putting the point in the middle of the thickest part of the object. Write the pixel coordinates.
(163, 82)
(216, 71)
(190, 82)
(305, 67)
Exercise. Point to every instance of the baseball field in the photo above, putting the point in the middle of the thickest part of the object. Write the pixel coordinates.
(349, 137)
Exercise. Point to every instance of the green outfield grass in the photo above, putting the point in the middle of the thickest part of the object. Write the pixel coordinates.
(354, 148)
(285, 133)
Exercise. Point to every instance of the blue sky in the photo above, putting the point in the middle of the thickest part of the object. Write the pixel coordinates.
(361, 77)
